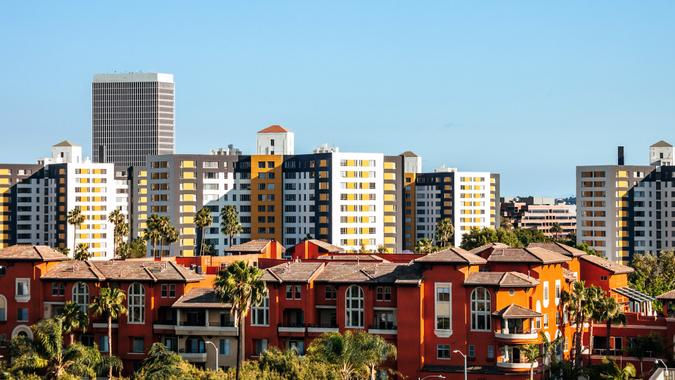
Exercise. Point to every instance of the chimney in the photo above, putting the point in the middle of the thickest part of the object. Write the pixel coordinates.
(620, 160)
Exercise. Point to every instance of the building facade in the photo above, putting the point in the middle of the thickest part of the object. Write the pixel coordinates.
(132, 117)
(554, 219)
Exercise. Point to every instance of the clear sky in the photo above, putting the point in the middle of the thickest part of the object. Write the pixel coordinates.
(529, 89)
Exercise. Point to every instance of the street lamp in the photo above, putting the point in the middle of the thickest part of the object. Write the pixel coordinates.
(664, 364)
(431, 377)
(464, 356)
(215, 348)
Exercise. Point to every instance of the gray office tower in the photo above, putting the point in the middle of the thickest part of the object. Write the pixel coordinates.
(132, 117)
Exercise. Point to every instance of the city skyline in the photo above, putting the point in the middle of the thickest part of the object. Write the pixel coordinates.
(461, 77)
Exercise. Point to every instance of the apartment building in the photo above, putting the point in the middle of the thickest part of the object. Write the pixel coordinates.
(542, 214)
(40, 196)
(626, 209)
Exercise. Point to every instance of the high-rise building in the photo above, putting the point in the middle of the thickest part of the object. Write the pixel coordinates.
(627, 209)
(132, 117)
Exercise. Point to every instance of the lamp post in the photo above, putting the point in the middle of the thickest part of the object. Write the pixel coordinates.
(664, 364)
(431, 377)
(215, 348)
(464, 356)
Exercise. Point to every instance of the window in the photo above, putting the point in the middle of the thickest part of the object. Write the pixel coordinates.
(260, 346)
(260, 315)
(546, 291)
(330, 292)
(557, 292)
(103, 343)
(81, 295)
(168, 290)
(491, 352)
(22, 314)
(472, 351)
(443, 351)
(443, 307)
(3, 308)
(545, 321)
(480, 309)
(354, 306)
(136, 301)
(293, 292)
(383, 293)
(22, 289)
(224, 347)
(171, 343)
(137, 345)
(58, 289)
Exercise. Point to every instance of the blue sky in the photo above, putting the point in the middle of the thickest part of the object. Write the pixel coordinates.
(526, 89)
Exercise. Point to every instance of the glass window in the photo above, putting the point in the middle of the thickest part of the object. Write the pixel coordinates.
(22, 314)
(22, 287)
(224, 347)
(103, 343)
(443, 307)
(480, 309)
(491, 352)
(58, 289)
(260, 315)
(3, 308)
(81, 295)
(138, 345)
(383, 293)
(354, 302)
(136, 303)
(472, 351)
(443, 351)
(330, 292)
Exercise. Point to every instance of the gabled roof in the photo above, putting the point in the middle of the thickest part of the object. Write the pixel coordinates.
(666, 296)
(487, 246)
(611, 266)
(25, 252)
(253, 246)
(205, 298)
(344, 272)
(563, 249)
(357, 257)
(501, 279)
(121, 270)
(65, 143)
(274, 129)
(292, 272)
(452, 255)
(524, 255)
(329, 248)
(661, 144)
(516, 311)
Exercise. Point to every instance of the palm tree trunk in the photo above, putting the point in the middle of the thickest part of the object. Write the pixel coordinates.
(609, 336)
(590, 342)
(201, 243)
(72, 338)
(240, 343)
(231, 236)
(532, 371)
(110, 346)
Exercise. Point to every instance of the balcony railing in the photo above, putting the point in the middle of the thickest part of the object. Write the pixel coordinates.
(517, 334)
(323, 328)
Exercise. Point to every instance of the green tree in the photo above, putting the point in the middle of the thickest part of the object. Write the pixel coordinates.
(203, 219)
(425, 245)
(527, 236)
(135, 248)
(352, 353)
(152, 233)
(169, 233)
(646, 346)
(531, 354)
(548, 350)
(75, 218)
(82, 252)
(73, 318)
(609, 311)
(580, 303)
(229, 222)
(109, 303)
(48, 355)
(478, 237)
(120, 229)
(611, 371)
(595, 303)
(444, 232)
(654, 274)
(556, 231)
(161, 363)
(242, 286)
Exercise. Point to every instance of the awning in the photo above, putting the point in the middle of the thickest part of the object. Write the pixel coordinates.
(634, 295)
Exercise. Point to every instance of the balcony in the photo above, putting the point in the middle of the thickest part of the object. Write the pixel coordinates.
(517, 335)
(320, 329)
(293, 322)
(512, 359)
(517, 324)
(194, 357)
(516, 366)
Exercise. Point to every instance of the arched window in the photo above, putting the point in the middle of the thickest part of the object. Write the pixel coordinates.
(480, 309)
(136, 302)
(81, 295)
(354, 307)
(3, 308)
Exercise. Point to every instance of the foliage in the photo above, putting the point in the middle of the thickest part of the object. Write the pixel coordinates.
(651, 345)
(82, 252)
(75, 218)
(610, 370)
(229, 222)
(425, 246)
(109, 302)
(531, 354)
(121, 229)
(352, 353)
(73, 318)
(242, 286)
(161, 363)
(133, 249)
(444, 232)
(654, 274)
(159, 231)
(203, 219)
(275, 364)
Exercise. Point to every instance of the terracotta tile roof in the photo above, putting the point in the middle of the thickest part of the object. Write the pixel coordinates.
(487, 246)
(200, 298)
(501, 279)
(563, 249)
(330, 248)
(667, 296)
(354, 257)
(345, 272)
(516, 311)
(611, 266)
(525, 255)
(273, 129)
(253, 246)
(452, 255)
(31, 253)
(292, 271)
(120, 270)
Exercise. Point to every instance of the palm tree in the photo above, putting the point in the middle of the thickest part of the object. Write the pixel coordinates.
(595, 309)
(444, 232)
(203, 219)
(75, 218)
(109, 302)
(531, 353)
(73, 318)
(229, 222)
(161, 363)
(612, 371)
(576, 305)
(242, 286)
(548, 349)
(377, 351)
(152, 233)
(121, 228)
(82, 252)
(555, 230)
(167, 231)
(48, 355)
(424, 246)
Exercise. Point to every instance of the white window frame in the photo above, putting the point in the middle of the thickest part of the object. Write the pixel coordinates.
(22, 297)
(442, 332)
(358, 311)
(438, 346)
(77, 294)
(136, 303)
(558, 291)
(546, 295)
(486, 313)
(264, 307)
